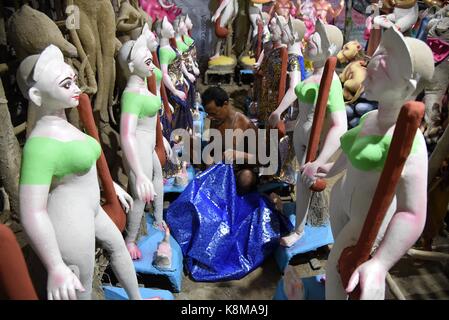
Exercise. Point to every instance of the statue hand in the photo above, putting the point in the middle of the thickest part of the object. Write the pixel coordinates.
(196, 71)
(191, 78)
(274, 119)
(324, 170)
(308, 172)
(167, 147)
(180, 94)
(171, 108)
(371, 278)
(215, 17)
(256, 66)
(62, 283)
(125, 199)
(145, 189)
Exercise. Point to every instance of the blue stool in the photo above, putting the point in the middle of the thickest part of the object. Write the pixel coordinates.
(314, 238)
(148, 247)
(114, 293)
(170, 187)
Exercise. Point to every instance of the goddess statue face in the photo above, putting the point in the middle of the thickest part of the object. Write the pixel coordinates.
(141, 59)
(54, 84)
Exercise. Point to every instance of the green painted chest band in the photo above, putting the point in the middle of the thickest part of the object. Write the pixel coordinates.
(44, 158)
(188, 40)
(166, 56)
(181, 46)
(140, 105)
(368, 153)
(308, 93)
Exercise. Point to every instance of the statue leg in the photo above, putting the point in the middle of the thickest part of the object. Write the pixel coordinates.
(78, 254)
(334, 286)
(111, 240)
(303, 193)
(158, 184)
(341, 231)
(217, 49)
(134, 219)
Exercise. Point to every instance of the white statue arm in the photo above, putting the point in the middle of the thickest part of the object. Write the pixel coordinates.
(62, 282)
(331, 169)
(125, 199)
(403, 230)
(195, 68)
(259, 62)
(289, 98)
(169, 84)
(168, 149)
(331, 144)
(220, 8)
(186, 73)
(144, 186)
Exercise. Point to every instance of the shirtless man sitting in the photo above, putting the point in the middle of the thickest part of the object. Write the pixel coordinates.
(224, 116)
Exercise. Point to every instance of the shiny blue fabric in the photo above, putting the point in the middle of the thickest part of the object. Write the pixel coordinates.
(223, 236)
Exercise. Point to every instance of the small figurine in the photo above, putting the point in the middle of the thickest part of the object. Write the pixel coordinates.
(285, 8)
(324, 10)
(354, 73)
(223, 18)
(404, 16)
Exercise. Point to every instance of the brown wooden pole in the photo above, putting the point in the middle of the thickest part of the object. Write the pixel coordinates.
(259, 38)
(318, 118)
(407, 125)
(160, 149)
(164, 95)
(15, 281)
(112, 205)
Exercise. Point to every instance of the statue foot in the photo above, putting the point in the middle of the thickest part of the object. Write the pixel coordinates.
(134, 250)
(215, 56)
(291, 239)
(160, 225)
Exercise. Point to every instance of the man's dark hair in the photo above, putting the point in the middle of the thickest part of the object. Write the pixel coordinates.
(216, 94)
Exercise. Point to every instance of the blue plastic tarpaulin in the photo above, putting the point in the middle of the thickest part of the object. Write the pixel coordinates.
(223, 236)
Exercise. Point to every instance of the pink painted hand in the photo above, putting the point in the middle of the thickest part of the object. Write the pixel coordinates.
(62, 283)
(134, 250)
(371, 277)
(145, 189)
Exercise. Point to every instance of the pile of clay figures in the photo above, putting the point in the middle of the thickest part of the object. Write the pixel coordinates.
(335, 109)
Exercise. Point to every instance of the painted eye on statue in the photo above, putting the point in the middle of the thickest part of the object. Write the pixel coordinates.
(148, 62)
(67, 84)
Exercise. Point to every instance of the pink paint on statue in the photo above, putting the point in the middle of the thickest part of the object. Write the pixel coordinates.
(159, 9)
